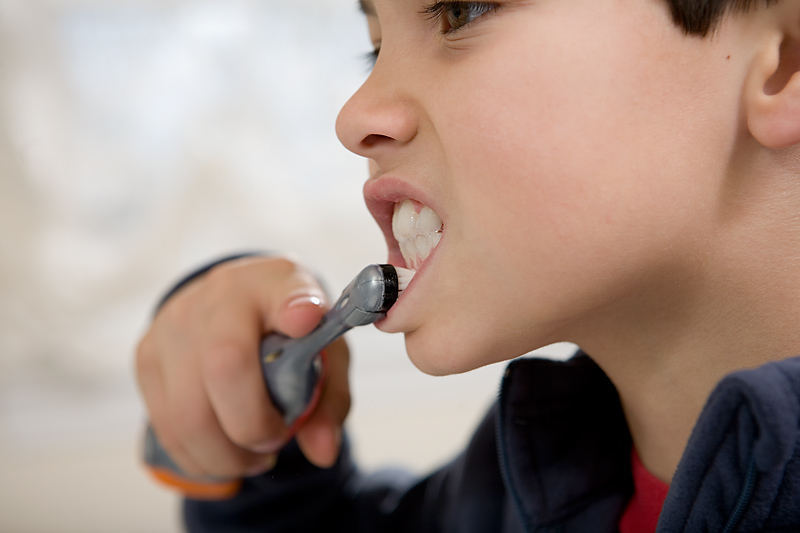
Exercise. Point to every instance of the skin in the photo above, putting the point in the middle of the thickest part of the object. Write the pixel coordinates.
(602, 179)
(597, 184)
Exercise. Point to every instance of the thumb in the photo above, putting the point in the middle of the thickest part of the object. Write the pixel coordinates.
(301, 311)
(290, 299)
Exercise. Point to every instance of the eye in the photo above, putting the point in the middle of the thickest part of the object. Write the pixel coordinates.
(454, 16)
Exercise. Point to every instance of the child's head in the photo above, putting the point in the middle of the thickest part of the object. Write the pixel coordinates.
(591, 162)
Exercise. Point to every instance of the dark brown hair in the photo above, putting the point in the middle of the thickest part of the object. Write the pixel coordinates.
(700, 17)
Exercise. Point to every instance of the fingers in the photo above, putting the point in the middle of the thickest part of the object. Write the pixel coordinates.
(299, 313)
(151, 384)
(186, 424)
(232, 376)
(279, 294)
(288, 297)
(198, 369)
(320, 437)
(195, 425)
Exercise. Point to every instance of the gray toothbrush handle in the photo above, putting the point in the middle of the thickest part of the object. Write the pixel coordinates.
(292, 368)
(293, 372)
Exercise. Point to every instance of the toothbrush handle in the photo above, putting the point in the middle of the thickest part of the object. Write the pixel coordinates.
(294, 382)
(293, 370)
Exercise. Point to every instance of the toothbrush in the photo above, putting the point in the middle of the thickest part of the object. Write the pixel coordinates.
(294, 369)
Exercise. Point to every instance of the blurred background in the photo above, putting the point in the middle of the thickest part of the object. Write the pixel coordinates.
(138, 139)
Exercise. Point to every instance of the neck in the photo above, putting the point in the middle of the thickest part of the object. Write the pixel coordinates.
(738, 309)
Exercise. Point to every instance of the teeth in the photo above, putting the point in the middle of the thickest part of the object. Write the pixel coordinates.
(418, 233)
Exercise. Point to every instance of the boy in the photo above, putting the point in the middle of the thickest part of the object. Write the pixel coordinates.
(620, 174)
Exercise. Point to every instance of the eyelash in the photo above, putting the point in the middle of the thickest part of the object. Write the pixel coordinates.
(437, 12)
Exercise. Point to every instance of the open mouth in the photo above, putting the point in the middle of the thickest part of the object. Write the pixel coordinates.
(408, 217)
(417, 229)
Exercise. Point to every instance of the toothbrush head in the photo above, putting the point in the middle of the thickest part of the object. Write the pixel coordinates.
(395, 281)
(377, 287)
(404, 276)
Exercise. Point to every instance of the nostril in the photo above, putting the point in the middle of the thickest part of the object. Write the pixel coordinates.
(375, 139)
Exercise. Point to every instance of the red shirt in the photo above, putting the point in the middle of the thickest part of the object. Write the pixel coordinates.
(649, 492)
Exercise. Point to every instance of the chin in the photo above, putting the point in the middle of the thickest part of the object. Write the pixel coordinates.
(430, 357)
(437, 352)
(438, 356)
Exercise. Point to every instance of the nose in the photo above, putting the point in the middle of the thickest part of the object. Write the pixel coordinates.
(377, 117)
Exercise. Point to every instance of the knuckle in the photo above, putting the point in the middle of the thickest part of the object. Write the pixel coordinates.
(227, 361)
(191, 423)
(229, 274)
(222, 278)
(282, 266)
(284, 269)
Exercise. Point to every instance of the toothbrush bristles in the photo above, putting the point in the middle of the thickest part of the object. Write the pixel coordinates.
(404, 276)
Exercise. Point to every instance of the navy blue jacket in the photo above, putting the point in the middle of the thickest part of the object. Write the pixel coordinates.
(552, 455)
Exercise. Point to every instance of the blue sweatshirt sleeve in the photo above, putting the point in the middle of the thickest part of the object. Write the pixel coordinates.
(466, 494)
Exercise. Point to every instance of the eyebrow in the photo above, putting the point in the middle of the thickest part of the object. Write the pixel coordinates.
(366, 7)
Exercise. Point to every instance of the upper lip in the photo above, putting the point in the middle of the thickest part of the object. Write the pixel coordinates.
(381, 194)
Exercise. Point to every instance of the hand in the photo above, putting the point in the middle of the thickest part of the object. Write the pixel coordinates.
(198, 370)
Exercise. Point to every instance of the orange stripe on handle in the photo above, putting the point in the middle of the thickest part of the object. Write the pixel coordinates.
(198, 490)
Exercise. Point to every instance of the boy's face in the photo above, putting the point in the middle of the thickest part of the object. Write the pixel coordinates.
(574, 150)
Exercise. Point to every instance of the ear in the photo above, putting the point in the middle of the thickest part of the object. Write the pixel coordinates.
(772, 92)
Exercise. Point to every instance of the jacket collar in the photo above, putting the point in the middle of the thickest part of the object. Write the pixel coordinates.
(741, 467)
(563, 443)
(565, 448)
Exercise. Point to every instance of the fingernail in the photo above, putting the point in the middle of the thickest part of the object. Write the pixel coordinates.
(306, 299)
(267, 464)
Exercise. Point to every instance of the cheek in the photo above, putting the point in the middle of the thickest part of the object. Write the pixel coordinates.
(564, 174)
(584, 142)
(574, 176)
